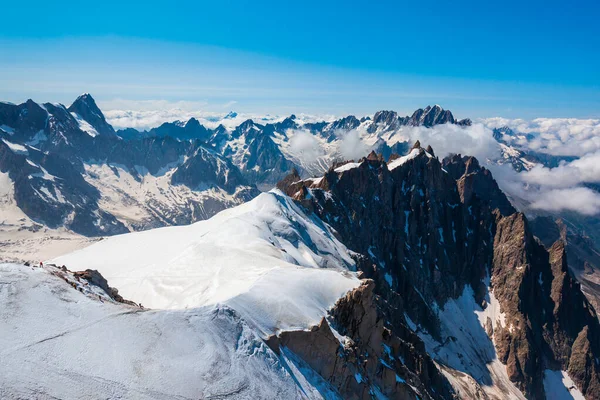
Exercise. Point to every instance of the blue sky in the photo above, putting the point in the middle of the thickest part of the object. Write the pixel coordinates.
(513, 59)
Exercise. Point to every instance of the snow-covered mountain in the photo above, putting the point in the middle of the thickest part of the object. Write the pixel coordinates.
(266, 151)
(412, 278)
(66, 168)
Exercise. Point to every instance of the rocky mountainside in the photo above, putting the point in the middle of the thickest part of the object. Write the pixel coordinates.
(583, 257)
(441, 243)
(267, 152)
(67, 168)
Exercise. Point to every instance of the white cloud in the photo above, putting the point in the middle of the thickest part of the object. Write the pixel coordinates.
(579, 199)
(583, 170)
(351, 145)
(476, 140)
(305, 147)
(557, 136)
(147, 119)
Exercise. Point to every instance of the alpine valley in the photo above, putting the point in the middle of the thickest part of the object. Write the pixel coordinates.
(284, 258)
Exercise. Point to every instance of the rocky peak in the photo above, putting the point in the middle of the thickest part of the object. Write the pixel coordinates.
(23, 120)
(85, 107)
(192, 122)
(288, 123)
(426, 231)
(473, 179)
(548, 319)
(431, 116)
(385, 116)
(244, 128)
(344, 124)
(373, 156)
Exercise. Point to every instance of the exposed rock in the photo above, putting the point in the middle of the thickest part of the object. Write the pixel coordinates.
(95, 278)
(372, 358)
(424, 233)
(546, 312)
(85, 107)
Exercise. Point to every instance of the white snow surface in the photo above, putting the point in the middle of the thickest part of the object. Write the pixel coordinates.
(58, 342)
(401, 160)
(347, 167)
(279, 268)
(471, 351)
(84, 125)
(16, 148)
(558, 385)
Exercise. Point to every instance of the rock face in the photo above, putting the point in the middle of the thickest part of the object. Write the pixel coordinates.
(190, 130)
(430, 230)
(85, 108)
(67, 168)
(546, 311)
(582, 254)
(371, 358)
(95, 278)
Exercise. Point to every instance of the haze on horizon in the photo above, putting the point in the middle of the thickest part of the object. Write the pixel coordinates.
(270, 58)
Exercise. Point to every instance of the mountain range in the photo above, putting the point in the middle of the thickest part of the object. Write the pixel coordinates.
(397, 274)
(408, 278)
(68, 167)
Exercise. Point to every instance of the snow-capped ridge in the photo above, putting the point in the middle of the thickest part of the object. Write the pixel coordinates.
(267, 259)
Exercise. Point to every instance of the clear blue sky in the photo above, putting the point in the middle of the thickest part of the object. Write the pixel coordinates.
(511, 58)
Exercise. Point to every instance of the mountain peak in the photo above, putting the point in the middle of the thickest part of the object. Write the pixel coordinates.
(86, 108)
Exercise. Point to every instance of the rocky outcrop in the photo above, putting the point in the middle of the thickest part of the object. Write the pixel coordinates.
(472, 179)
(548, 319)
(365, 358)
(95, 278)
(427, 229)
(583, 256)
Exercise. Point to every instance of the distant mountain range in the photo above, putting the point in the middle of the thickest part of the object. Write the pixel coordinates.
(68, 167)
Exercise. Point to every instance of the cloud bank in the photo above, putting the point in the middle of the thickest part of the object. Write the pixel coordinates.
(556, 136)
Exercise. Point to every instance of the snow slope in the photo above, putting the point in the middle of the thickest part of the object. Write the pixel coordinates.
(22, 239)
(57, 342)
(469, 359)
(279, 268)
(145, 201)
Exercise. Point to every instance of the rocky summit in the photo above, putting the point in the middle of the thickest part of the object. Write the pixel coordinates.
(438, 236)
